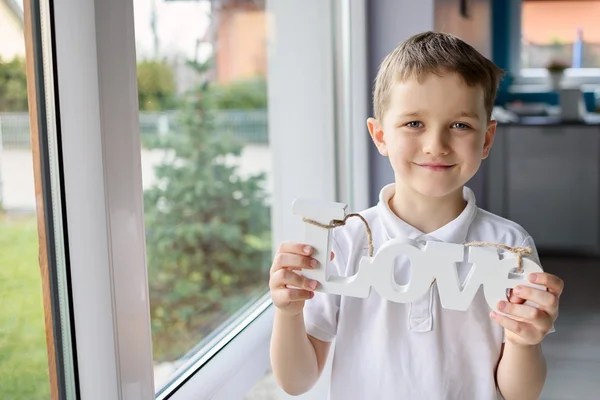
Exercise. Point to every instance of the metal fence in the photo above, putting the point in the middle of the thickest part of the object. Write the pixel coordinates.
(14, 130)
(249, 126)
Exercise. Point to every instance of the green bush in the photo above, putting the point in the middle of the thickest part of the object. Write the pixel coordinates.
(13, 85)
(208, 233)
(248, 94)
(156, 85)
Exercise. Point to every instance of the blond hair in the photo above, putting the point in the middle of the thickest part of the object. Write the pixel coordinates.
(435, 53)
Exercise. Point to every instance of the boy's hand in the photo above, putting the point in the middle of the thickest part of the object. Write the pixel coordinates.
(289, 289)
(527, 325)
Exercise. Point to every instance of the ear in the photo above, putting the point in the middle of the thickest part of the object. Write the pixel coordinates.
(490, 133)
(376, 131)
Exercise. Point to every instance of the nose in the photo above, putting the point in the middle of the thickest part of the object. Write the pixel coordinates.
(435, 142)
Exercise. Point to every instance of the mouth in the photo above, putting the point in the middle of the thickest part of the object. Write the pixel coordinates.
(436, 166)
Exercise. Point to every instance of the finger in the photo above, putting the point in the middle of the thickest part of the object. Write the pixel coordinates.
(547, 301)
(295, 248)
(286, 277)
(513, 298)
(285, 296)
(293, 261)
(526, 331)
(332, 256)
(525, 313)
(554, 284)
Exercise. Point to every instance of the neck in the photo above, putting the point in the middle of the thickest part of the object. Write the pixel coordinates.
(427, 214)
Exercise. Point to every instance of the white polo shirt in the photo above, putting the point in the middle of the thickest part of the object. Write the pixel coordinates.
(417, 351)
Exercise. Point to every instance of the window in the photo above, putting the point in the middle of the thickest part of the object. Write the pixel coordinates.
(563, 33)
(23, 351)
(560, 31)
(174, 191)
(36, 345)
(207, 171)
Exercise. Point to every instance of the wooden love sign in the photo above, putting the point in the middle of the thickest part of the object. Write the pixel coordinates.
(437, 261)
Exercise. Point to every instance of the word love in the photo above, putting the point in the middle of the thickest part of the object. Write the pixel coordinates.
(437, 260)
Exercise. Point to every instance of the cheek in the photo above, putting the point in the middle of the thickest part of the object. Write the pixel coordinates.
(401, 153)
(472, 146)
(400, 146)
(472, 154)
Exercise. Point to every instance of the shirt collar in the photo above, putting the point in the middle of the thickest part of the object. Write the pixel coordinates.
(453, 232)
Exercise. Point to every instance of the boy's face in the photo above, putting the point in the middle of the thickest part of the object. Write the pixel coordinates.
(435, 133)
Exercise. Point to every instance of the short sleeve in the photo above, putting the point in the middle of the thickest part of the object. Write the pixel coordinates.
(321, 312)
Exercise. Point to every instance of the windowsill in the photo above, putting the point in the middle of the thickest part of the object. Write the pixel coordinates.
(205, 352)
(589, 120)
(584, 77)
(544, 87)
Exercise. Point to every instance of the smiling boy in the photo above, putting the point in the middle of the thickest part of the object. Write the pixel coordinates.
(433, 101)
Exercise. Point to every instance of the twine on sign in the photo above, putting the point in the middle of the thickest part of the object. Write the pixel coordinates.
(336, 222)
(519, 251)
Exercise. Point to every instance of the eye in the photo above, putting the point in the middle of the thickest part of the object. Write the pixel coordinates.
(414, 124)
(460, 125)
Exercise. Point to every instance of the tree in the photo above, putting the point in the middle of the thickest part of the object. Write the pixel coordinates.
(208, 232)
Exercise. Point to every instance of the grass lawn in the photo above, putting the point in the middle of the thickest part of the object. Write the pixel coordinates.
(23, 357)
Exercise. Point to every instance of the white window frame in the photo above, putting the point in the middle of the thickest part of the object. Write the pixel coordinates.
(95, 70)
(539, 76)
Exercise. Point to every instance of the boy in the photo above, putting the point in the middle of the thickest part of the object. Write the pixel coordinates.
(433, 100)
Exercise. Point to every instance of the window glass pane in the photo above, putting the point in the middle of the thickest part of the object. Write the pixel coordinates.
(563, 31)
(206, 168)
(23, 352)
